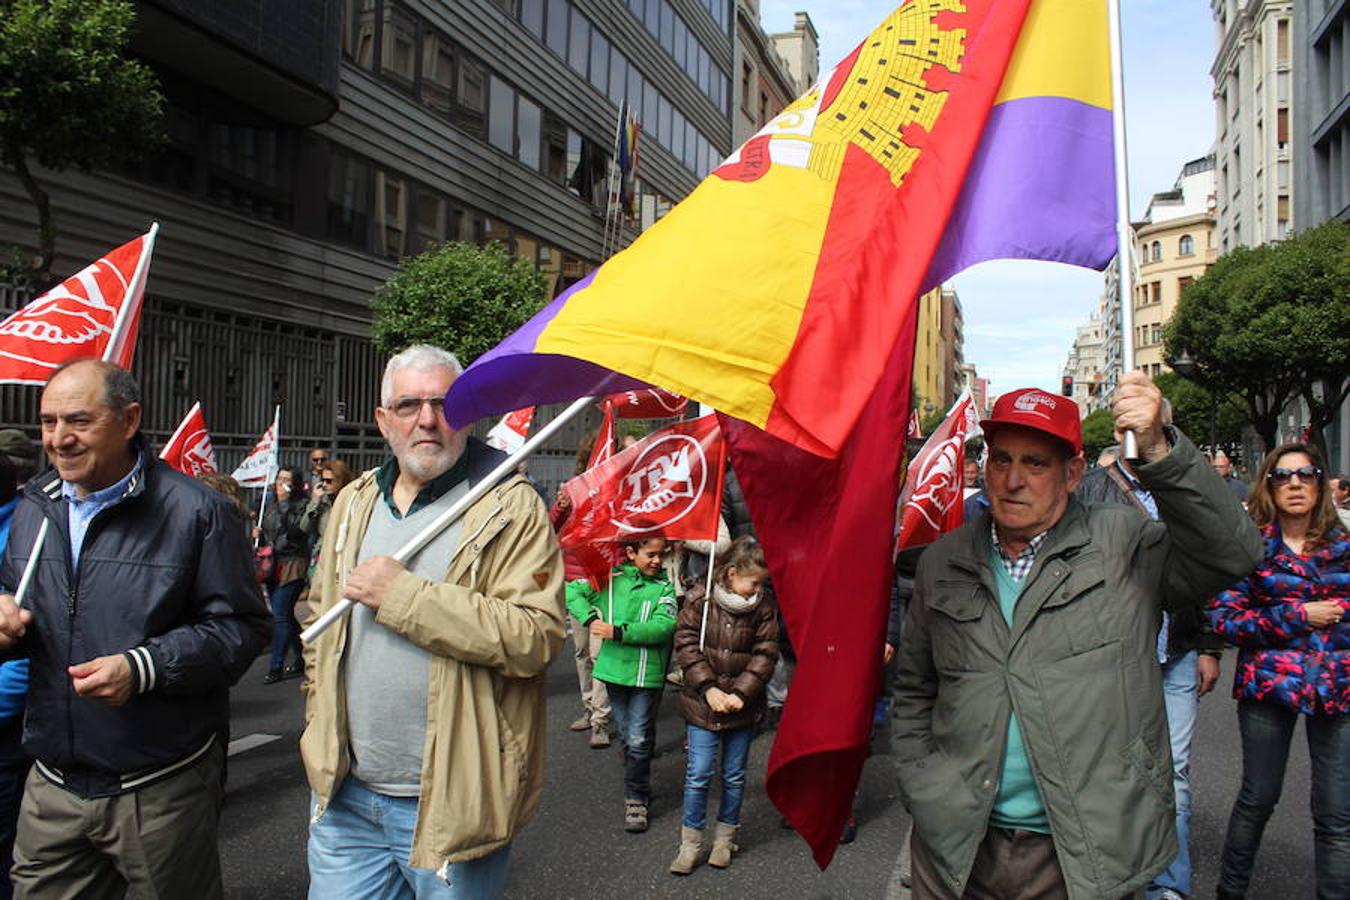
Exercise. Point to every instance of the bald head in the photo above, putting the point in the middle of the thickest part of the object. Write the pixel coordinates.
(90, 411)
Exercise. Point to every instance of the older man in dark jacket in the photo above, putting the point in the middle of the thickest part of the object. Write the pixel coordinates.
(141, 612)
(1030, 736)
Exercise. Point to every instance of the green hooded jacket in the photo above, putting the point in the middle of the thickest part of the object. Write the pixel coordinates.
(642, 611)
(1078, 666)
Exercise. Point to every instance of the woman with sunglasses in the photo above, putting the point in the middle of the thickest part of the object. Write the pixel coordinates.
(1294, 658)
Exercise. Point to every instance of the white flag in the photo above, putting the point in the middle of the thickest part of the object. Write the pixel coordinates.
(259, 468)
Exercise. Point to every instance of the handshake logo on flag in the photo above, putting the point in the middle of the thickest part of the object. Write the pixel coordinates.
(666, 482)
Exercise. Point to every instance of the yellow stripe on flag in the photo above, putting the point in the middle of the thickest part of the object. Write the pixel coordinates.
(1063, 51)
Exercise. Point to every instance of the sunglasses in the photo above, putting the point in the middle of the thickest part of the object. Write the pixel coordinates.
(318, 459)
(1281, 477)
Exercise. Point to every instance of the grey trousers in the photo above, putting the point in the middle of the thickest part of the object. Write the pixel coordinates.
(156, 843)
(594, 695)
(1010, 865)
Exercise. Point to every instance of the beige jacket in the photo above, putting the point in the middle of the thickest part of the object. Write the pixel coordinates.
(492, 626)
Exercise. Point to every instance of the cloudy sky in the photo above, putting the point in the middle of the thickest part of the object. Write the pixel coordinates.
(1020, 317)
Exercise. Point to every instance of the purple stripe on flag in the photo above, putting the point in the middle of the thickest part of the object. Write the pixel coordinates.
(1041, 186)
(512, 375)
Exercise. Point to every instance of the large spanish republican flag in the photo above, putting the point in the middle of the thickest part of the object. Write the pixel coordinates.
(782, 290)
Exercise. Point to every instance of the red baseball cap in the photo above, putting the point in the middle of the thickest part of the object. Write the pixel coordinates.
(1035, 409)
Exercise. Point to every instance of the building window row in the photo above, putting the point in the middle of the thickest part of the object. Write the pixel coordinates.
(569, 34)
(683, 46)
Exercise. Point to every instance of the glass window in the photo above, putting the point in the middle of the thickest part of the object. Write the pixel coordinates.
(438, 72)
(652, 19)
(575, 174)
(690, 61)
(498, 231)
(650, 110)
(677, 134)
(471, 96)
(349, 199)
(430, 219)
(550, 264)
(528, 136)
(501, 115)
(358, 27)
(466, 226)
(1186, 246)
(578, 42)
(663, 123)
(399, 57)
(635, 91)
(599, 62)
(556, 27)
(704, 71)
(690, 146)
(527, 248)
(618, 75)
(532, 17)
(667, 27)
(555, 148)
(681, 41)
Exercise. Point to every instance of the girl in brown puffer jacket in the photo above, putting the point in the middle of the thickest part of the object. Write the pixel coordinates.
(726, 645)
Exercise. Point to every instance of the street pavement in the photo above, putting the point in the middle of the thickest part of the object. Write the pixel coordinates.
(576, 846)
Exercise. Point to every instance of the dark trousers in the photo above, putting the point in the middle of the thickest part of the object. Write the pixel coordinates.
(159, 841)
(634, 712)
(1267, 729)
(14, 766)
(285, 630)
(1010, 865)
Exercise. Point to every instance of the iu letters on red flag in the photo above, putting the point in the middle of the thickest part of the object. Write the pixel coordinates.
(94, 314)
(667, 484)
(189, 450)
(930, 503)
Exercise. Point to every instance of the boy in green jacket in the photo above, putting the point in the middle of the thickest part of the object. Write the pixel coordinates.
(635, 617)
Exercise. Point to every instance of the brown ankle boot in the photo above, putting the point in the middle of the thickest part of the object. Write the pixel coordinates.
(691, 851)
(724, 837)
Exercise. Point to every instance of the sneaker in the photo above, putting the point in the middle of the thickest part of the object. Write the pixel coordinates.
(272, 676)
(634, 816)
(599, 737)
(581, 724)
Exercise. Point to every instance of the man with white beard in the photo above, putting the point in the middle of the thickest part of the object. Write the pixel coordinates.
(424, 728)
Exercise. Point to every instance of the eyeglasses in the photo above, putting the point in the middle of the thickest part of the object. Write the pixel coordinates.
(1281, 477)
(318, 459)
(409, 407)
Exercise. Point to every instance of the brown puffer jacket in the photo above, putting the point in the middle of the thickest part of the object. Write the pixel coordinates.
(738, 656)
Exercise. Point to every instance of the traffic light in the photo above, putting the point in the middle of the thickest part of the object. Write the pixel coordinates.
(1066, 386)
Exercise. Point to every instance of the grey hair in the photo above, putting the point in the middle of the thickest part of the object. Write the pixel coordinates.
(120, 387)
(419, 357)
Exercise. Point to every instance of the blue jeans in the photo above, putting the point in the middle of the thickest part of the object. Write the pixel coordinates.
(285, 630)
(1267, 729)
(1179, 694)
(634, 711)
(702, 765)
(359, 850)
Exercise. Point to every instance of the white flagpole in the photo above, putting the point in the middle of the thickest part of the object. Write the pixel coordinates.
(456, 511)
(1124, 232)
(179, 430)
(272, 469)
(110, 354)
(611, 200)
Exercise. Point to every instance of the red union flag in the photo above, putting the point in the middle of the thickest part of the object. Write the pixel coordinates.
(189, 450)
(605, 438)
(94, 314)
(648, 403)
(259, 468)
(930, 502)
(509, 434)
(667, 484)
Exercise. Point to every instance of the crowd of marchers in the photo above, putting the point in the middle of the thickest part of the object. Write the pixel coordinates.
(1045, 659)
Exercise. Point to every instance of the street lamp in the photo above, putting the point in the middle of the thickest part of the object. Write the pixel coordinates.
(1185, 366)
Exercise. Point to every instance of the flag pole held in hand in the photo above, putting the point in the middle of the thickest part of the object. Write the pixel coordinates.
(455, 512)
(22, 591)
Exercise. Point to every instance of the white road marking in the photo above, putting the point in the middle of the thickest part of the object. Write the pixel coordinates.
(250, 741)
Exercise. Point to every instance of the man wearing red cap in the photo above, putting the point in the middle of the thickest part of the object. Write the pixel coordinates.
(1031, 739)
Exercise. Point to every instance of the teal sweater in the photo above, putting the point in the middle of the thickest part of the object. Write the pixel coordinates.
(642, 611)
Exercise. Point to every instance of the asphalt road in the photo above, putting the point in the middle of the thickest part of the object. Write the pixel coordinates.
(576, 847)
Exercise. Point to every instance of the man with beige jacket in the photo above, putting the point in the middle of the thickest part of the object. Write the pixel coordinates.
(423, 741)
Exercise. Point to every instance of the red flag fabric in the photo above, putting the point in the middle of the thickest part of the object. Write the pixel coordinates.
(668, 484)
(189, 450)
(648, 403)
(915, 429)
(930, 502)
(259, 468)
(605, 439)
(93, 314)
(827, 527)
(510, 433)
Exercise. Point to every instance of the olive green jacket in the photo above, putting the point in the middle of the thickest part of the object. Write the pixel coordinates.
(1079, 667)
(491, 626)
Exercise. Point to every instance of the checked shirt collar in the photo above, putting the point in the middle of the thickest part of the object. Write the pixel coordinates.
(1019, 568)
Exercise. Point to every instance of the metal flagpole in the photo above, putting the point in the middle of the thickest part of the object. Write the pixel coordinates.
(611, 195)
(1124, 232)
(453, 514)
(272, 477)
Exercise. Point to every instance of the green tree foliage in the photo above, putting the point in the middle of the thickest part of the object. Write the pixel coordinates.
(1099, 432)
(70, 97)
(1271, 323)
(1205, 419)
(457, 296)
